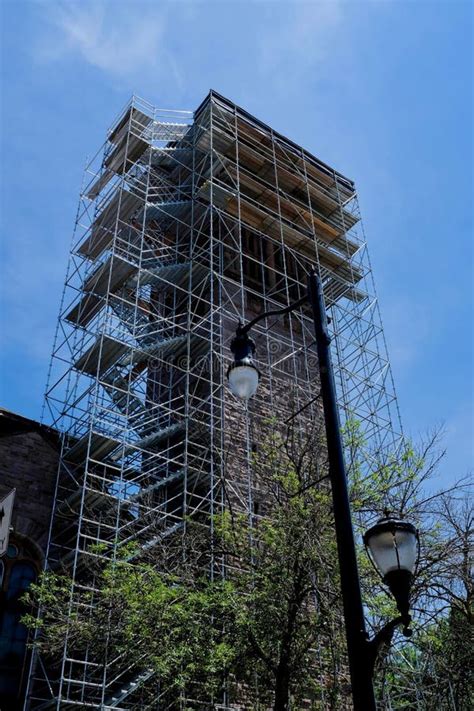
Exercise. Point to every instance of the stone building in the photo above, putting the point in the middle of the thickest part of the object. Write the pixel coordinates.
(188, 222)
(29, 454)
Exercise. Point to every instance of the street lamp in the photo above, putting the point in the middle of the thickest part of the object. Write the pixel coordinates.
(393, 547)
(392, 543)
(242, 374)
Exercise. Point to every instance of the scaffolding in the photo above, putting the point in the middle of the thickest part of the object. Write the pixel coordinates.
(187, 223)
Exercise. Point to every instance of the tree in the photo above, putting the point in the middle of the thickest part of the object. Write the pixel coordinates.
(165, 616)
(436, 671)
(253, 630)
(285, 573)
(432, 671)
(254, 612)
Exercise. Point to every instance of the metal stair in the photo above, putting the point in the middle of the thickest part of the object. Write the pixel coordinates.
(113, 701)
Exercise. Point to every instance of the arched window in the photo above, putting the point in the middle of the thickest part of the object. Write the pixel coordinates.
(18, 569)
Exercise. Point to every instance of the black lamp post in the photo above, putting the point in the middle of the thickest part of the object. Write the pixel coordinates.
(390, 541)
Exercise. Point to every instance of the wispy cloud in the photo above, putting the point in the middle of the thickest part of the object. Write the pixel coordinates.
(125, 40)
(130, 40)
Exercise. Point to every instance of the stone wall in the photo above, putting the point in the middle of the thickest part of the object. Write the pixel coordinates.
(29, 454)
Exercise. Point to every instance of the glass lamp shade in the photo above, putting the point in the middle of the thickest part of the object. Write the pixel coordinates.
(243, 379)
(393, 546)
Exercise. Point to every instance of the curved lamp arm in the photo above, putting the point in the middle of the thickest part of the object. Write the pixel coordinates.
(384, 636)
(241, 330)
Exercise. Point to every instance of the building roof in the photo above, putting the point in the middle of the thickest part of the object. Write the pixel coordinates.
(11, 424)
(245, 114)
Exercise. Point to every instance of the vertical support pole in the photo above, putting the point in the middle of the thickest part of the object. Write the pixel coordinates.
(357, 644)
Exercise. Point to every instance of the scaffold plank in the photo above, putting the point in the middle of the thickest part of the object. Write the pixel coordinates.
(115, 215)
(104, 352)
(270, 224)
(107, 278)
(99, 448)
(133, 118)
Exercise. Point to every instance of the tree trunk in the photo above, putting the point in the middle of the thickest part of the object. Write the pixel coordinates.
(282, 688)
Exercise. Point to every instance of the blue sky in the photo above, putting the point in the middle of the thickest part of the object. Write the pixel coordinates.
(381, 90)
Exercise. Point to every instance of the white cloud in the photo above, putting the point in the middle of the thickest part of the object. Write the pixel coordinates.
(141, 43)
(123, 39)
(128, 39)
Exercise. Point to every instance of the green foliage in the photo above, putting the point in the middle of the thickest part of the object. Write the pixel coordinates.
(243, 606)
(285, 577)
(200, 631)
(436, 672)
(183, 632)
